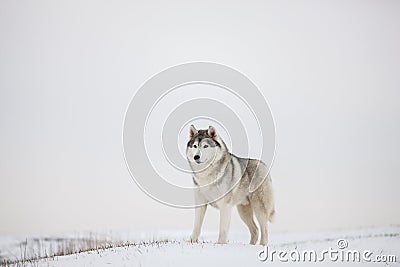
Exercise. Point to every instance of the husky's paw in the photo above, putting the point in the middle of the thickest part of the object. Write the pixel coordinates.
(222, 241)
(192, 240)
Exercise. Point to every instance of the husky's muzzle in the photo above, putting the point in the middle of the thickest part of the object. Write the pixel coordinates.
(197, 158)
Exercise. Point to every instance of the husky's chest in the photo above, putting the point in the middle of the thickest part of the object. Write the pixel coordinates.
(218, 198)
(223, 187)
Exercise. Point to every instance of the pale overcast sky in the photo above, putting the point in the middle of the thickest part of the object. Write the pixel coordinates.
(68, 69)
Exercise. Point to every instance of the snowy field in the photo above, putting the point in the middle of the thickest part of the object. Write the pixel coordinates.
(171, 249)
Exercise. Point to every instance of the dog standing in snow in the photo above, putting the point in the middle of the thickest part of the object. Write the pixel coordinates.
(223, 181)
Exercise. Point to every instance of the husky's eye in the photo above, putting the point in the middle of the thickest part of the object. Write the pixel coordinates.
(195, 146)
(205, 146)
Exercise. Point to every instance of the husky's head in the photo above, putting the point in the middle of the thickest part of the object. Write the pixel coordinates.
(203, 147)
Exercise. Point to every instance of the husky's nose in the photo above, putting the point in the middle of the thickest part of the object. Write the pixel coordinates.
(196, 157)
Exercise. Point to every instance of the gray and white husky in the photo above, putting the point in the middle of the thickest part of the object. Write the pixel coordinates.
(223, 181)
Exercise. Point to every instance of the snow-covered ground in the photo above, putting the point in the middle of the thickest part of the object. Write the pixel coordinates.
(171, 249)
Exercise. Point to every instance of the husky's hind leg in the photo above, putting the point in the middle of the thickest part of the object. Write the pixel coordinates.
(246, 214)
(262, 201)
(262, 216)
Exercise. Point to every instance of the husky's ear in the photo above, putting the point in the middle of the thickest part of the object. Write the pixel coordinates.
(212, 132)
(192, 131)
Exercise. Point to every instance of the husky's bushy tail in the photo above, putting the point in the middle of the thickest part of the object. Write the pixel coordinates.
(271, 216)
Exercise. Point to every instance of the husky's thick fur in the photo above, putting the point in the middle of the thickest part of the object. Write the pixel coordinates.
(223, 181)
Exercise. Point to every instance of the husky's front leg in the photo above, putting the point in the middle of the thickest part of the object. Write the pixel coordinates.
(198, 222)
(224, 223)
